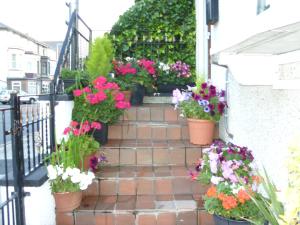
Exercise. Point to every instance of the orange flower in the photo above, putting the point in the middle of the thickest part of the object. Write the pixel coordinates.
(221, 196)
(212, 192)
(243, 196)
(229, 202)
(257, 179)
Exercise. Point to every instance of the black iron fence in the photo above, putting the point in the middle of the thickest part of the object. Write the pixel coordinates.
(26, 139)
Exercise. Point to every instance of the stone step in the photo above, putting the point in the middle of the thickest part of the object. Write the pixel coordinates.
(137, 210)
(151, 152)
(144, 180)
(148, 131)
(158, 99)
(153, 112)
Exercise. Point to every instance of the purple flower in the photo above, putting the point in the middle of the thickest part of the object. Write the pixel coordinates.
(206, 109)
(204, 85)
(93, 163)
(222, 94)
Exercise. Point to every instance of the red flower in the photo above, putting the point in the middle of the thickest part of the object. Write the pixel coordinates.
(96, 125)
(77, 92)
(67, 130)
(120, 96)
(74, 124)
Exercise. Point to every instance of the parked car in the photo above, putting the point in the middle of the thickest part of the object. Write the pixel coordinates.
(24, 96)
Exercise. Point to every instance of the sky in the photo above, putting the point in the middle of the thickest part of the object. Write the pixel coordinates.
(44, 20)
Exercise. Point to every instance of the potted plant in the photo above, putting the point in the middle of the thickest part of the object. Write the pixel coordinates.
(73, 79)
(229, 168)
(173, 76)
(81, 142)
(66, 179)
(137, 74)
(203, 106)
(101, 102)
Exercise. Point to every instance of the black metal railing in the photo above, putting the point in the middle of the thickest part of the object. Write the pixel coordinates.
(75, 49)
(26, 139)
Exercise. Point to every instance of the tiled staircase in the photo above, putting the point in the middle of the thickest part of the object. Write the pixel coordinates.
(146, 179)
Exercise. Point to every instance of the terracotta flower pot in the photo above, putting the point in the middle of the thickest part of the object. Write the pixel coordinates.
(86, 162)
(127, 95)
(201, 131)
(67, 201)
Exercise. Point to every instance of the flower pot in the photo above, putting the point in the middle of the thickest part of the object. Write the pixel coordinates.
(127, 95)
(67, 201)
(101, 135)
(68, 83)
(201, 131)
(219, 220)
(86, 162)
(137, 94)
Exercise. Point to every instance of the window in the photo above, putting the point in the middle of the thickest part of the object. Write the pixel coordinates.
(14, 61)
(16, 85)
(32, 87)
(45, 88)
(38, 67)
(44, 68)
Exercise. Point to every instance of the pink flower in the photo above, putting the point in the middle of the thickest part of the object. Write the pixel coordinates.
(122, 105)
(85, 127)
(87, 90)
(76, 132)
(96, 125)
(92, 99)
(101, 96)
(74, 124)
(67, 130)
(120, 96)
(100, 81)
(77, 92)
(111, 85)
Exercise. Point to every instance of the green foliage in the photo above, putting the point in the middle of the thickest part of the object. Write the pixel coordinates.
(159, 30)
(70, 74)
(99, 61)
(79, 76)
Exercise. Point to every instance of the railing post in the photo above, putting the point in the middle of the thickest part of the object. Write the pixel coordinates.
(52, 118)
(17, 158)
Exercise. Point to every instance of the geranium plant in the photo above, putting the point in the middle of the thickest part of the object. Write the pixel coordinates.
(102, 102)
(203, 102)
(132, 71)
(177, 73)
(229, 168)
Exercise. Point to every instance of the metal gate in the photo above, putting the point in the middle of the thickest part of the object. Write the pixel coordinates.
(26, 139)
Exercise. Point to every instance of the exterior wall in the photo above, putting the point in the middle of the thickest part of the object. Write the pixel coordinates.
(238, 20)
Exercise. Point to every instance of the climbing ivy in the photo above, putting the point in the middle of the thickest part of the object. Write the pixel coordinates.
(161, 30)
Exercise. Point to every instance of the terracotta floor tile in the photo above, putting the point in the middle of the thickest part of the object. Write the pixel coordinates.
(161, 156)
(85, 218)
(128, 171)
(146, 219)
(171, 114)
(145, 202)
(177, 156)
(176, 143)
(126, 202)
(163, 186)
(127, 156)
(130, 114)
(108, 171)
(88, 203)
(115, 132)
(93, 189)
(144, 132)
(174, 133)
(129, 131)
(108, 187)
(179, 171)
(127, 187)
(128, 143)
(145, 187)
(185, 132)
(124, 219)
(112, 155)
(160, 143)
(165, 205)
(64, 218)
(164, 197)
(205, 218)
(104, 219)
(159, 133)
(143, 114)
(144, 156)
(143, 171)
(187, 218)
(192, 155)
(162, 171)
(166, 219)
(106, 203)
(157, 114)
(182, 186)
(198, 188)
(144, 143)
(112, 144)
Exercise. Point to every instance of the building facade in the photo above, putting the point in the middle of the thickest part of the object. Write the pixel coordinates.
(27, 64)
(253, 51)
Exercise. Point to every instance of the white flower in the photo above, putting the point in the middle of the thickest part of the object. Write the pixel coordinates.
(59, 170)
(65, 176)
(69, 171)
(75, 179)
(216, 180)
(83, 186)
(52, 173)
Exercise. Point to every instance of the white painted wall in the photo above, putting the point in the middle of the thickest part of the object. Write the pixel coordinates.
(63, 116)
